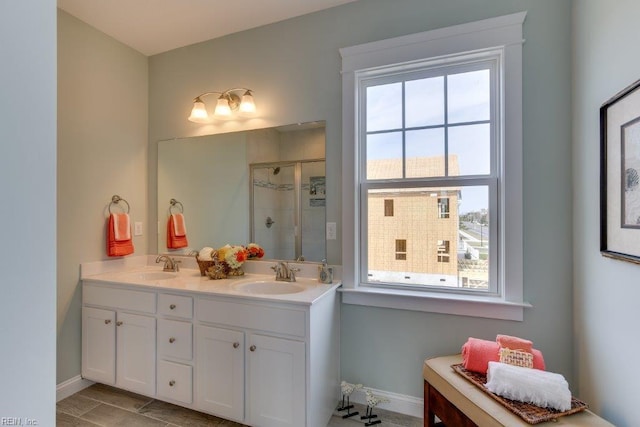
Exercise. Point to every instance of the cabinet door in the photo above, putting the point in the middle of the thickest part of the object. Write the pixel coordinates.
(220, 371)
(276, 371)
(136, 353)
(99, 345)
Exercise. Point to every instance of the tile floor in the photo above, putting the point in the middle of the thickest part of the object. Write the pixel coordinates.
(101, 405)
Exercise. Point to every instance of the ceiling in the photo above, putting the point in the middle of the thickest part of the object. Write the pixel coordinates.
(156, 26)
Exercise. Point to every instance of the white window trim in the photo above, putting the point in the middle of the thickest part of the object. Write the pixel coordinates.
(505, 33)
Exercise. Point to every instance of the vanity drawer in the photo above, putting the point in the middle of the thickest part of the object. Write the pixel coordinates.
(175, 305)
(175, 381)
(175, 339)
(273, 319)
(125, 299)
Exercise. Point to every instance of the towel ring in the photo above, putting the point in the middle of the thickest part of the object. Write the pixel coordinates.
(115, 200)
(174, 203)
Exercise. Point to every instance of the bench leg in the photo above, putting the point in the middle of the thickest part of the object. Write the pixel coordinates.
(429, 416)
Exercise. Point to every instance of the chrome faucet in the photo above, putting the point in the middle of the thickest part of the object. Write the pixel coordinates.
(170, 264)
(284, 272)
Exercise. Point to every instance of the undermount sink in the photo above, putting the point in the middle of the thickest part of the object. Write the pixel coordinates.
(269, 287)
(151, 275)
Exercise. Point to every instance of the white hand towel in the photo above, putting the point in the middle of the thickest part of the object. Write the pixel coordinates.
(205, 253)
(541, 388)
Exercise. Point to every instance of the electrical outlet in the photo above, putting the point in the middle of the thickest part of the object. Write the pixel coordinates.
(137, 229)
(331, 231)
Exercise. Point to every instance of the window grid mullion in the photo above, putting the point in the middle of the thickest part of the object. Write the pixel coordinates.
(446, 125)
(404, 132)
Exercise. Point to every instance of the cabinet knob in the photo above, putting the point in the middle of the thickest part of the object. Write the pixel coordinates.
(236, 344)
(119, 323)
(107, 321)
(172, 307)
(172, 340)
(172, 383)
(252, 348)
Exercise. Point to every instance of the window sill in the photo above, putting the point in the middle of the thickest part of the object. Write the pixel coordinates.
(462, 305)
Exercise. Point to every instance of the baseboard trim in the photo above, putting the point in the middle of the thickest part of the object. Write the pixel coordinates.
(71, 386)
(401, 403)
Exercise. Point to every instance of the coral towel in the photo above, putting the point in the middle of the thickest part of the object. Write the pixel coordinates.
(119, 241)
(477, 353)
(514, 343)
(176, 232)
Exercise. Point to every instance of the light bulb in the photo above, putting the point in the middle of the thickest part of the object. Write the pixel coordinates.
(247, 105)
(222, 108)
(199, 112)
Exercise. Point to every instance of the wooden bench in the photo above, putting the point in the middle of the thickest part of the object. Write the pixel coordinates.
(459, 403)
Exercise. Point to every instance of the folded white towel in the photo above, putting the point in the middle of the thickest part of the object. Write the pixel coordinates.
(205, 253)
(541, 388)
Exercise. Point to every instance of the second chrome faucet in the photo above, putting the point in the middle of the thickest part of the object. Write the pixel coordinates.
(284, 272)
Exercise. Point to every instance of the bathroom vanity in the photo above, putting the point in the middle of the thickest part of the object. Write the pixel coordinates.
(248, 349)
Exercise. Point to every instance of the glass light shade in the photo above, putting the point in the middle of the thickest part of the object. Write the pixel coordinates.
(199, 112)
(222, 108)
(247, 105)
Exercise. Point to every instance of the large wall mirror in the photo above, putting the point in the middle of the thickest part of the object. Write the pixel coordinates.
(264, 185)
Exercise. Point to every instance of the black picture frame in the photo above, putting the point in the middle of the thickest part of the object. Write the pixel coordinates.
(619, 175)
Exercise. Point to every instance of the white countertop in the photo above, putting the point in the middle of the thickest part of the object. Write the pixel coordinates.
(140, 274)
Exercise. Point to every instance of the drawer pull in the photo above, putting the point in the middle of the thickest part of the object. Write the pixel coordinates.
(172, 383)
(252, 348)
(172, 307)
(119, 323)
(107, 321)
(172, 340)
(236, 344)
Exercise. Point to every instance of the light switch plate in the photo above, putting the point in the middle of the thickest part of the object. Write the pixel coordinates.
(331, 231)
(137, 228)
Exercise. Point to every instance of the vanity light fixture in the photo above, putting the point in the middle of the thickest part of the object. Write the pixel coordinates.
(229, 102)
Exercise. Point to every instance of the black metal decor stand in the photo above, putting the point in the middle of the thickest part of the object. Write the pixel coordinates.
(347, 408)
(369, 416)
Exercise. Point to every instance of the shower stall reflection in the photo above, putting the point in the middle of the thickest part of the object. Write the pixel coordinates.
(288, 209)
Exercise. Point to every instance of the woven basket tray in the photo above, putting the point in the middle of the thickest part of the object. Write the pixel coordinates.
(530, 413)
(203, 265)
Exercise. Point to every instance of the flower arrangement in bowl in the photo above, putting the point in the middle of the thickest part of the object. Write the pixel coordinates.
(255, 251)
(234, 257)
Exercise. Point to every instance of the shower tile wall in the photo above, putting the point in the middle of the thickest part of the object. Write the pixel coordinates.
(313, 210)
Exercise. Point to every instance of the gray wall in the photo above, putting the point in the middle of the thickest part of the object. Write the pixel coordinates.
(28, 218)
(606, 292)
(102, 151)
(294, 68)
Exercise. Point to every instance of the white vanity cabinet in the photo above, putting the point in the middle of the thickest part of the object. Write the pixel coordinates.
(263, 362)
(118, 346)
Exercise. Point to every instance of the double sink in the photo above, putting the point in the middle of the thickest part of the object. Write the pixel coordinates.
(245, 285)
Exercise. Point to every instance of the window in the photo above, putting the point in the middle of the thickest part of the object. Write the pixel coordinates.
(443, 251)
(427, 132)
(443, 207)
(388, 207)
(401, 249)
(427, 137)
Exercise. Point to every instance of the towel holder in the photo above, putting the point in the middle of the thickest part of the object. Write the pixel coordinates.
(115, 200)
(174, 204)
